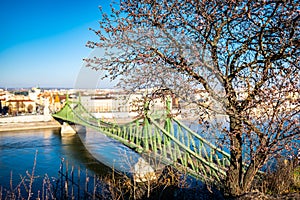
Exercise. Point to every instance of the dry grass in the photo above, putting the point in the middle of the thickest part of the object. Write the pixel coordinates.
(170, 184)
(283, 179)
(114, 186)
(127, 188)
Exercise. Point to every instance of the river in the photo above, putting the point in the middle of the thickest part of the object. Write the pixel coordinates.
(18, 149)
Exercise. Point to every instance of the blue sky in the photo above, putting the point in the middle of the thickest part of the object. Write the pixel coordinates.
(42, 42)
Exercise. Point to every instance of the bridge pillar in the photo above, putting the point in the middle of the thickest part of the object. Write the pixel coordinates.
(143, 172)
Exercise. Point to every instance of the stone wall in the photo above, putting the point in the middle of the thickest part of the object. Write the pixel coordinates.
(26, 118)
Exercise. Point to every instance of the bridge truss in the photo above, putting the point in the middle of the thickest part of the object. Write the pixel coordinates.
(166, 139)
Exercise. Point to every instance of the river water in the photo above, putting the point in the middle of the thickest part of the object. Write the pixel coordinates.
(88, 149)
(18, 150)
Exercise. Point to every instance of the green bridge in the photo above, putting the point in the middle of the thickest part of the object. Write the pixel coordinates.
(165, 139)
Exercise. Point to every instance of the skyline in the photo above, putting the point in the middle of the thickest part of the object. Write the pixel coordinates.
(42, 43)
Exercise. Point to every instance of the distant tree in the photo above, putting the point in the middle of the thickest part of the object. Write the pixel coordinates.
(22, 107)
(244, 54)
(5, 110)
(30, 108)
(10, 109)
(16, 112)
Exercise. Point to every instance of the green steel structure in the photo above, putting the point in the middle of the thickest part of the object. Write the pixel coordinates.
(165, 139)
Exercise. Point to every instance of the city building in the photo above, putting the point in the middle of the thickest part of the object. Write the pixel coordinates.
(20, 104)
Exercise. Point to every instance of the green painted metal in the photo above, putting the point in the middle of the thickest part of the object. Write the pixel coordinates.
(165, 138)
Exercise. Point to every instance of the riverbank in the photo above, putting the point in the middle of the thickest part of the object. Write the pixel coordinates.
(30, 122)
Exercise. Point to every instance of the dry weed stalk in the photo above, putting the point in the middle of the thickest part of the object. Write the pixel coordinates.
(282, 179)
(25, 188)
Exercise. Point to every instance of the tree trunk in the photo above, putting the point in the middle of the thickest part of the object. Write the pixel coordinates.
(234, 174)
(252, 169)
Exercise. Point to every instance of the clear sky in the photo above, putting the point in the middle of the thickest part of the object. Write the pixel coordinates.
(42, 42)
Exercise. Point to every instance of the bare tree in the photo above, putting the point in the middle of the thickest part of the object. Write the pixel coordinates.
(244, 54)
